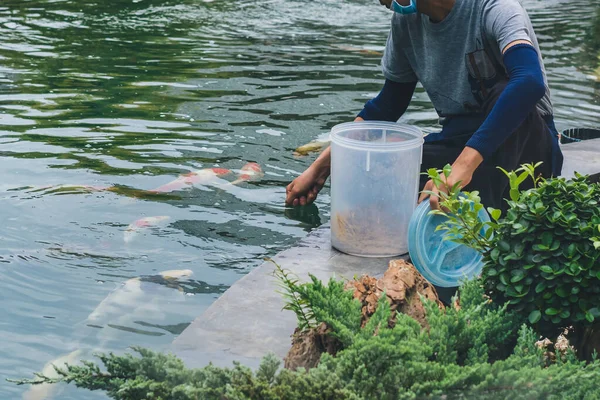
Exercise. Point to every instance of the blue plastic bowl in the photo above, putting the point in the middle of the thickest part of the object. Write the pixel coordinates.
(442, 262)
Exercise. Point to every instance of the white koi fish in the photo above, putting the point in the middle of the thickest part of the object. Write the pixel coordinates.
(131, 301)
(129, 295)
(147, 222)
(47, 391)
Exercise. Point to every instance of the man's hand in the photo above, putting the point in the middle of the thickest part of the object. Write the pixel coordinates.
(462, 171)
(305, 188)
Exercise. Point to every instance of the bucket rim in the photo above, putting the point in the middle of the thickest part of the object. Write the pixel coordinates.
(412, 130)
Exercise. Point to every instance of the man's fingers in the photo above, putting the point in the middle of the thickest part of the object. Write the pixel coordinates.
(434, 199)
(434, 202)
(289, 195)
(428, 186)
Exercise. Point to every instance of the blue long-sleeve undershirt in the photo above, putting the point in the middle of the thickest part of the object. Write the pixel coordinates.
(524, 89)
(390, 103)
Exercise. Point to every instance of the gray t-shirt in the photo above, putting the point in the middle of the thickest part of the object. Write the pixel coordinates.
(458, 59)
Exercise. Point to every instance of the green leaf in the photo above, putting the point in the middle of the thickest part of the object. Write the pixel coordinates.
(547, 269)
(494, 255)
(547, 239)
(433, 173)
(552, 311)
(519, 248)
(589, 317)
(541, 286)
(519, 288)
(514, 194)
(540, 247)
(447, 170)
(495, 213)
(561, 291)
(535, 316)
(504, 246)
(518, 276)
(595, 312)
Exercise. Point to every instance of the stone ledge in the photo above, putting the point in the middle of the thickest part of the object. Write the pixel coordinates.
(247, 321)
(582, 157)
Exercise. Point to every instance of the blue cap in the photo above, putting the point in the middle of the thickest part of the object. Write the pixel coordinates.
(442, 262)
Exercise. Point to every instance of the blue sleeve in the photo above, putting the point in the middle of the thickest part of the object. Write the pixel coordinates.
(524, 89)
(390, 103)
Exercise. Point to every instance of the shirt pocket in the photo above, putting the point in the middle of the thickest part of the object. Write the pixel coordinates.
(480, 66)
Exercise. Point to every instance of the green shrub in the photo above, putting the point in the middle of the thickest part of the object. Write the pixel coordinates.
(450, 360)
(542, 257)
(544, 261)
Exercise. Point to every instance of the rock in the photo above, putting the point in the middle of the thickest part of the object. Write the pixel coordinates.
(308, 346)
(403, 286)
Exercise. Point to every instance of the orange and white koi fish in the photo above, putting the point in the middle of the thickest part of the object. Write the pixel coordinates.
(203, 176)
(134, 228)
(249, 172)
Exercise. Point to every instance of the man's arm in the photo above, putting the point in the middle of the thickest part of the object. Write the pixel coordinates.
(524, 90)
(520, 96)
(389, 105)
(391, 102)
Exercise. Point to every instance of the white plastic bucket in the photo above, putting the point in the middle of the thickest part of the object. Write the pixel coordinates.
(375, 170)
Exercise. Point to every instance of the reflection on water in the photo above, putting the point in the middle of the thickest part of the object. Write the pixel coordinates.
(128, 95)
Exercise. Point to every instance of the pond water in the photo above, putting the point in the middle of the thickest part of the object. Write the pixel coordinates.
(132, 93)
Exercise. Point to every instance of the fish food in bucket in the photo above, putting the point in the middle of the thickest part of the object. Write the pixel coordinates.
(442, 262)
(375, 170)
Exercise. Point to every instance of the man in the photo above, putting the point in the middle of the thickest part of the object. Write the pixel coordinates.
(480, 63)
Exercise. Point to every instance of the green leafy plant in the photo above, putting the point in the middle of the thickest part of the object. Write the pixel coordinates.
(541, 257)
(315, 303)
(289, 289)
(544, 262)
(476, 351)
(462, 211)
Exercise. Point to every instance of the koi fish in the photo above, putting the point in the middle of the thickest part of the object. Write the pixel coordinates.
(249, 172)
(46, 390)
(142, 223)
(72, 189)
(131, 301)
(129, 293)
(360, 50)
(311, 147)
(202, 176)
